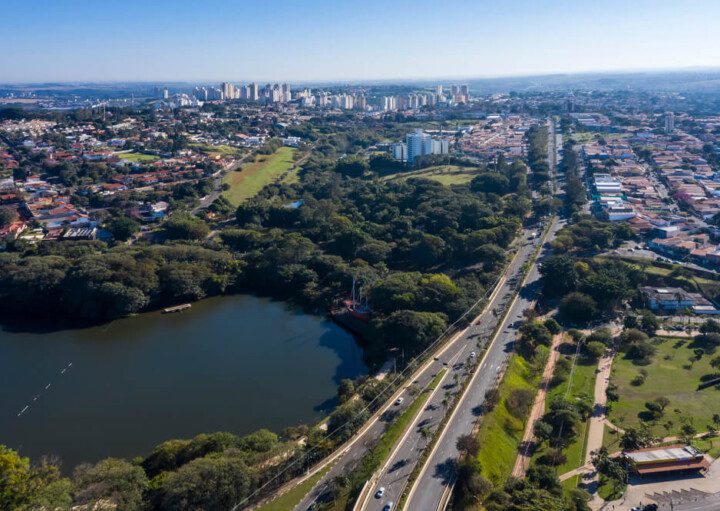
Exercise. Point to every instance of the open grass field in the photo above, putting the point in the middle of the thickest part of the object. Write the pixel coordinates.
(252, 177)
(670, 375)
(138, 157)
(445, 174)
(500, 432)
(587, 136)
(217, 149)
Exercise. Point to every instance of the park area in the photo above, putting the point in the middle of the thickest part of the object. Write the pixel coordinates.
(138, 157)
(445, 174)
(674, 373)
(252, 177)
(501, 429)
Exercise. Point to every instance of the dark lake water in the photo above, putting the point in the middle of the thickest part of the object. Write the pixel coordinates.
(235, 363)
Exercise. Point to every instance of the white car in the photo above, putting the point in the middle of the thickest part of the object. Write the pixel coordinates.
(380, 492)
(399, 400)
(473, 354)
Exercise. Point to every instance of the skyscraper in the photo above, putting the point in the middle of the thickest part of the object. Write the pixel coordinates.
(669, 122)
(253, 93)
(418, 144)
(228, 90)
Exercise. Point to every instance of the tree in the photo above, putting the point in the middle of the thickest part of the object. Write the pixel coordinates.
(346, 389)
(490, 182)
(113, 479)
(352, 167)
(7, 216)
(649, 322)
(559, 275)
(578, 307)
(182, 226)
(542, 431)
(15, 485)
(636, 438)
(468, 445)
(710, 326)
(595, 349)
(519, 401)
(552, 326)
(207, 483)
(410, 330)
(602, 335)
(122, 227)
(544, 477)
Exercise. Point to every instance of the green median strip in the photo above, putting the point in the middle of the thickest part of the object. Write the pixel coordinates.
(377, 456)
(292, 498)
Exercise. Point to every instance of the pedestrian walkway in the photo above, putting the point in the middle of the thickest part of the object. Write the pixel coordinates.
(527, 446)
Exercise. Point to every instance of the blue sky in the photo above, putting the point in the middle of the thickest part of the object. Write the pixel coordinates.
(309, 40)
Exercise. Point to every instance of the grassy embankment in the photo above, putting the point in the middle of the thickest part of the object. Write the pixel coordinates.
(252, 177)
(500, 432)
(445, 174)
(289, 500)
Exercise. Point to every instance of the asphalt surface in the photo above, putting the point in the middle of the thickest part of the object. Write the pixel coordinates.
(394, 475)
(438, 472)
(454, 354)
(431, 488)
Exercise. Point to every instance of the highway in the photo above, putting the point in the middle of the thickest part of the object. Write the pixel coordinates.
(394, 475)
(452, 355)
(433, 487)
(436, 477)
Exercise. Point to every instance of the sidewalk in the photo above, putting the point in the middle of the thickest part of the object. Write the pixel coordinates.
(527, 446)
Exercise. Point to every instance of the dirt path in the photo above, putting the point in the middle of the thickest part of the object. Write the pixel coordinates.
(597, 421)
(527, 446)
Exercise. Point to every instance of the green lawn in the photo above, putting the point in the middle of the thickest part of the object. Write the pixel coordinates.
(138, 157)
(217, 149)
(500, 432)
(670, 375)
(287, 501)
(606, 491)
(253, 177)
(445, 174)
(581, 386)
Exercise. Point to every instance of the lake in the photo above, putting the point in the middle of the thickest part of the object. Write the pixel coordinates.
(233, 363)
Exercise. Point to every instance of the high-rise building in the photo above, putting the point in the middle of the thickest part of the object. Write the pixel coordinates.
(418, 144)
(399, 151)
(253, 94)
(228, 90)
(360, 102)
(669, 122)
(439, 90)
(201, 93)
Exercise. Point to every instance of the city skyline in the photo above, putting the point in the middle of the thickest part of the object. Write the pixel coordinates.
(74, 40)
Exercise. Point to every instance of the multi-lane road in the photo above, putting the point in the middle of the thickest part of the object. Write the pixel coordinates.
(452, 356)
(432, 487)
(394, 475)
